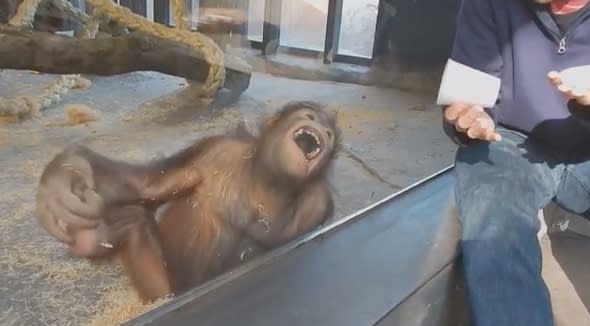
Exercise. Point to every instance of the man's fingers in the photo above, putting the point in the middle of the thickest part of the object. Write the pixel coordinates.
(462, 116)
(563, 88)
(476, 132)
(492, 135)
(468, 117)
(584, 100)
(473, 120)
(582, 95)
(487, 134)
(554, 77)
(483, 128)
(454, 111)
(579, 92)
(566, 90)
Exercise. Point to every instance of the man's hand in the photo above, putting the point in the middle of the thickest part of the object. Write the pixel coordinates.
(472, 120)
(581, 95)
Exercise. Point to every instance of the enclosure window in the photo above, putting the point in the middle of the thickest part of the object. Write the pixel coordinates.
(255, 20)
(303, 24)
(357, 29)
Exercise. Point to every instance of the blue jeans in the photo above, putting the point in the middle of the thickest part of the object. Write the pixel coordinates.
(500, 187)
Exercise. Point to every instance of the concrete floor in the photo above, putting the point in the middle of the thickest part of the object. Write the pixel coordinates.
(565, 268)
(391, 139)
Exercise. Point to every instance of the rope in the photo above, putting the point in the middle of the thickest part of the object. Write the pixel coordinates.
(209, 50)
(24, 106)
(25, 14)
(27, 106)
(89, 24)
(179, 10)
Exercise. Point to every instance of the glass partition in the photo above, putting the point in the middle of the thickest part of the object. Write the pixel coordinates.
(137, 81)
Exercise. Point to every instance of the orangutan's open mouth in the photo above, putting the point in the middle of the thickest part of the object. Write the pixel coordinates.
(308, 141)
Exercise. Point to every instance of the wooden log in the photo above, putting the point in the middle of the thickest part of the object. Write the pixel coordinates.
(7, 9)
(57, 54)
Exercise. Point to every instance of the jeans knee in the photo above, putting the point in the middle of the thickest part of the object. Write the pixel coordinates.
(499, 203)
(489, 214)
(494, 236)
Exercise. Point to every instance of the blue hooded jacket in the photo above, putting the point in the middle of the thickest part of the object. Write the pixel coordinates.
(519, 42)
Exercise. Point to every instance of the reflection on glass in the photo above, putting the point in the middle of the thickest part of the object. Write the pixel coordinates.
(255, 19)
(303, 24)
(192, 17)
(357, 29)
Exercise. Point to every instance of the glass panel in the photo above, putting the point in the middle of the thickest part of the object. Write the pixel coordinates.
(357, 30)
(140, 95)
(255, 19)
(192, 13)
(303, 24)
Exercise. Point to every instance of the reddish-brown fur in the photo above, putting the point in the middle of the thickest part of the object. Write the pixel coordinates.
(244, 196)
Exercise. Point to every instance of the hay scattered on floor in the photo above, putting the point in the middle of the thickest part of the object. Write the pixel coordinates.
(31, 169)
(15, 209)
(120, 304)
(357, 119)
(4, 120)
(3, 140)
(25, 107)
(23, 210)
(79, 114)
(39, 261)
(82, 83)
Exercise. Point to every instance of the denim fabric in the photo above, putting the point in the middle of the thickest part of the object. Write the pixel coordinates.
(500, 187)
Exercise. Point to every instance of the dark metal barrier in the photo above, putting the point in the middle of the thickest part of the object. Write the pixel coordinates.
(393, 263)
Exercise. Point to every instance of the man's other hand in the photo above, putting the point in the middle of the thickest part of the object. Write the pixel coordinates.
(581, 95)
(472, 120)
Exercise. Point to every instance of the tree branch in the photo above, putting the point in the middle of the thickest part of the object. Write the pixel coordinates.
(52, 53)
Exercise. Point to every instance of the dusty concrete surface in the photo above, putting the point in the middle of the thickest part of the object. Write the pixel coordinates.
(565, 268)
(391, 139)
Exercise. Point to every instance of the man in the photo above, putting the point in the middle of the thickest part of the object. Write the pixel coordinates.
(532, 147)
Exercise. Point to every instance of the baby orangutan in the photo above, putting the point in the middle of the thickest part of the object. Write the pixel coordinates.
(179, 221)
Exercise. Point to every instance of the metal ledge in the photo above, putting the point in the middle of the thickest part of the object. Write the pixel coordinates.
(355, 271)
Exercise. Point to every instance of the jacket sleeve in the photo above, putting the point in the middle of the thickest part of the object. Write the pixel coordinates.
(580, 112)
(477, 45)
